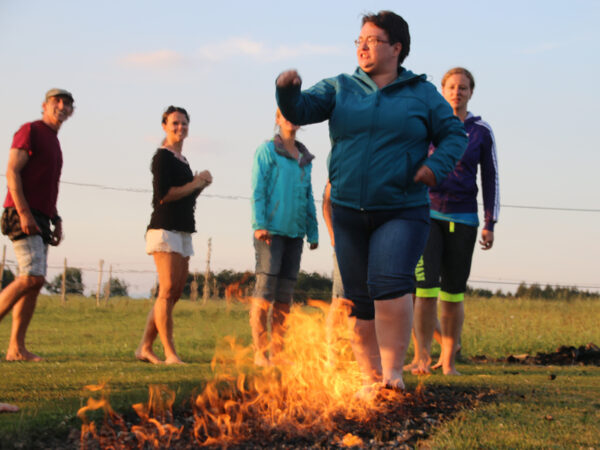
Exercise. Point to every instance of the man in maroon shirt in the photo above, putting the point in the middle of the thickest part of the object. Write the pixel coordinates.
(30, 218)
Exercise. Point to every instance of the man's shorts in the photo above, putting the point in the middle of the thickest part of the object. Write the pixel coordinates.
(159, 240)
(32, 256)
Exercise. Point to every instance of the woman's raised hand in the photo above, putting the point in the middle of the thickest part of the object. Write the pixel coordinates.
(289, 78)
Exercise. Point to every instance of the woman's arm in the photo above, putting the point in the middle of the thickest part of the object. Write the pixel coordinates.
(303, 107)
(200, 181)
(261, 169)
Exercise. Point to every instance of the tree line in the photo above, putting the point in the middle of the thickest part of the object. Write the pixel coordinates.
(231, 284)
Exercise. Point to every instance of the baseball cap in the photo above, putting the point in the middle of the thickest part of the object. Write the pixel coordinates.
(55, 92)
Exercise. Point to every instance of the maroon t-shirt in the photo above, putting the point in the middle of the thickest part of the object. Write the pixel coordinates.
(41, 174)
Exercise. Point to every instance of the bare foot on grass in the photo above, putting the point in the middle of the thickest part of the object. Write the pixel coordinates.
(452, 372)
(22, 355)
(147, 356)
(174, 360)
(422, 368)
(5, 407)
(411, 366)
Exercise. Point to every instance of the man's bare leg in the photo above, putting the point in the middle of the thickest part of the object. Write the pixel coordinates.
(259, 312)
(424, 326)
(393, 324)
(20, 295)
(453, 316)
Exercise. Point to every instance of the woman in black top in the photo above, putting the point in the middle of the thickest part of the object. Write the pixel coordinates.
(168, 238)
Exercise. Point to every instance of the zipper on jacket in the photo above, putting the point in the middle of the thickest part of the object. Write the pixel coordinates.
(367, 155)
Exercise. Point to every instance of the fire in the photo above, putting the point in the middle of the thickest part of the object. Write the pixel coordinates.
(310, 392)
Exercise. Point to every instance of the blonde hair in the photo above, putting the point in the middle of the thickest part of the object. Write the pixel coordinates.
(462, 71)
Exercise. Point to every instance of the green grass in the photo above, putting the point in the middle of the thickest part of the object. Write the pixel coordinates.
(83, 345)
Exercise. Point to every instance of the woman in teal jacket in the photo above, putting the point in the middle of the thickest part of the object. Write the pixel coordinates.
(381, 122)
(283, 212)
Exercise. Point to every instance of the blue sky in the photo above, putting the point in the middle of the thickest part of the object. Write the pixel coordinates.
(535, 63)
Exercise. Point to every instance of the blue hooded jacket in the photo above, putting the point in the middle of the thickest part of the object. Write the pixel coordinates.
(379, 137)
(282, 197)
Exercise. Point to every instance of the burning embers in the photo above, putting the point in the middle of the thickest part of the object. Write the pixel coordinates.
(309, 398)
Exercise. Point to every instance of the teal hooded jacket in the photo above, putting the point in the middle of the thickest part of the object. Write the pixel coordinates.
(282, 197)
(379, 137)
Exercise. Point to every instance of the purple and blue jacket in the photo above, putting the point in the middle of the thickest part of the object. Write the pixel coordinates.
(455, 197)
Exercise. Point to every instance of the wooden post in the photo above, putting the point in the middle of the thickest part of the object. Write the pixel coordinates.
(2, 266)
(99, 282)
(108, 285)
(206, 290)
(63, 297)
(194, 288)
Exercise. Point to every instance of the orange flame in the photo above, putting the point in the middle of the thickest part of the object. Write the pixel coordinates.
(311, 389)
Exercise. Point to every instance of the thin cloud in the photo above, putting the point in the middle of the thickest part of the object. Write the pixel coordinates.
(156, 59)
(540, 48)
(237, 46)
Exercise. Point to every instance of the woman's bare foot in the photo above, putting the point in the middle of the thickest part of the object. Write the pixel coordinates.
(451, 371)
(174, 360)
(396, 384)
(22, 355)
(412, 365)
(261, 360)
(422, 367)
(5, 407)
(147, 356)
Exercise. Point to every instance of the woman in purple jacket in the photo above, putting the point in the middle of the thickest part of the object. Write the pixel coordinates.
(446, 263)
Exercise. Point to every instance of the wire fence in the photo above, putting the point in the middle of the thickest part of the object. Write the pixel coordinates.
(125, 271)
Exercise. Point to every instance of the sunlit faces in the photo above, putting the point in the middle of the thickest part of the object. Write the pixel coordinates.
(56, 110)
(376, 56)
(285, 126)
(176, 127)
(457, 91)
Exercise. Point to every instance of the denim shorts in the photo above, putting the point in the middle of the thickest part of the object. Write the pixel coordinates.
(377, 253)
(277, 267)
(159, 240)
(32, 256)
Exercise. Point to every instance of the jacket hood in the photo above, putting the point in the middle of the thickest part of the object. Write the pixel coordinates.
(305, 156)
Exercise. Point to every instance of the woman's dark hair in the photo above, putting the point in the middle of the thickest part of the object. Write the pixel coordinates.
(171, 109)
(395, 27)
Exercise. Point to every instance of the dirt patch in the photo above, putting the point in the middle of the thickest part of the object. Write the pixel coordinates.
(404, 419)
(563, 356)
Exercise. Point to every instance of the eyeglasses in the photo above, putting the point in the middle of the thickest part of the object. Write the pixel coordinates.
(372, 41)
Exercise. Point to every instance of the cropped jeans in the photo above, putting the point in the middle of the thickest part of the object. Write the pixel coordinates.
(277, 267)
(377, 253)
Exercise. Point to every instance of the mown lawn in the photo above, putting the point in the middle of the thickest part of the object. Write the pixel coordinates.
(82, 345)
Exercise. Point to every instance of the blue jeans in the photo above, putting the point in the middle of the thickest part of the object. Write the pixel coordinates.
(277, 267)
(377, 253)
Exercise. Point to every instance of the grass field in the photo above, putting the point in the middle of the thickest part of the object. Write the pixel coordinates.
(535, 406)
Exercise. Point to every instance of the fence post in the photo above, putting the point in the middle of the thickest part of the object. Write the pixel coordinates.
(108, 285)
(99, 282)
(194, 288)
(63, 298)
(206, 290)
(2, 267)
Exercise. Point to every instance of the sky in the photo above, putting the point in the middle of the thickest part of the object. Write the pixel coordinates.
(535, 65)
